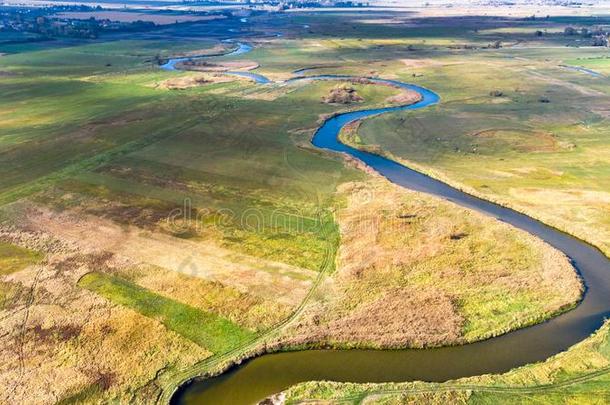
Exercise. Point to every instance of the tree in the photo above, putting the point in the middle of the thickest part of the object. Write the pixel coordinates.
(600, 40)
(569, 31)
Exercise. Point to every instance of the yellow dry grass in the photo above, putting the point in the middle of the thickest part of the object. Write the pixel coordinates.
(243, 309)
(64, 342)
(416, 271)
(192, 80)
(287, 285)
(60, 340)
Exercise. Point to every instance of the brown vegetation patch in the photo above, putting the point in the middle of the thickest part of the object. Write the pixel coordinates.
(207, 66)
(283, 283)
(187, 82)
(58, 335)
(400, 318)
(144, 217)
(123, 208)
(54, 333)
(104, 379)
(405, 97)
(32, 239)
(342, 94)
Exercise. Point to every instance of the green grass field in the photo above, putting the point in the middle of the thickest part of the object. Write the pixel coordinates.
(14, 258)
(548, 159)
(86, 128)
(206, 329)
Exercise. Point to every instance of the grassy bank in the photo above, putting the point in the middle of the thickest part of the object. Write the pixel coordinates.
(14, 258)
(580, 374)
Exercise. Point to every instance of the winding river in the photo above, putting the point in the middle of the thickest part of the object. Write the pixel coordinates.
(271, 373)
(239, 50)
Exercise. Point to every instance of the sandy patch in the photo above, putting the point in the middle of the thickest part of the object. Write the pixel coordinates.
(405, 97)
(421, 63)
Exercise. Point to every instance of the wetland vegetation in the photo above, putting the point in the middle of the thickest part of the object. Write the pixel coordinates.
(159, 225)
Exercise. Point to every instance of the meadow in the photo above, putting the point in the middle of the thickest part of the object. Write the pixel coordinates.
(402, 251)
(183, 229)
(515, 126)
(89, 142)
(202, 328)
(12, 259)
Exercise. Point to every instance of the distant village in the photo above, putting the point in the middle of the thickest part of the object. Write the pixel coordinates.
(38, 21)
(44, 22)
(294, 4)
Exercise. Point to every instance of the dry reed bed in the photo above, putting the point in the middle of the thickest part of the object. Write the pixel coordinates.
(414, 271)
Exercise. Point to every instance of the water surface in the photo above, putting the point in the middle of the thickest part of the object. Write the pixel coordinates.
(172, 62)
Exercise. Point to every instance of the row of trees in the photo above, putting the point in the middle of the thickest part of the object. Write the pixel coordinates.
(598, 36)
